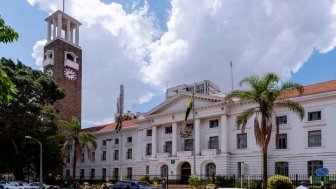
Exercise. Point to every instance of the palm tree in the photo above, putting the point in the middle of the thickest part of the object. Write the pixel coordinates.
(267, 94)
(73, 134)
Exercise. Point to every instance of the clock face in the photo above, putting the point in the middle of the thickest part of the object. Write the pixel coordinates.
(50, 71)
(70, 74)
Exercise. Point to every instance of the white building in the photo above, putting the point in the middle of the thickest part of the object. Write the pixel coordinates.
(206, 87)
(152, 143)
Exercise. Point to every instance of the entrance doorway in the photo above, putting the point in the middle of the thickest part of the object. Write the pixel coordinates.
(185, 172)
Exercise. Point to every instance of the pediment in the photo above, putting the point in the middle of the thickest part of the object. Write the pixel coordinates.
(180, 101)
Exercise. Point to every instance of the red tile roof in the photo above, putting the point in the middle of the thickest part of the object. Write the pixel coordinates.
(111, 126)
(317, 88)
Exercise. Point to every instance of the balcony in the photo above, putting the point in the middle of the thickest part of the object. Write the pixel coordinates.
(71, 64)
(184, 154)
(163, 156)
(209, 152)
(48, 62)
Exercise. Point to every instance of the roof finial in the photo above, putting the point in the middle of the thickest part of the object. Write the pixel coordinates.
(63, 5)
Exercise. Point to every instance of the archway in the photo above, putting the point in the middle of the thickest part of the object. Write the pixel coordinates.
(185, 172)
(164, 170)
(210, 170)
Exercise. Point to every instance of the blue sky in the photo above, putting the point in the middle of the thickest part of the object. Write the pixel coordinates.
(149, 45)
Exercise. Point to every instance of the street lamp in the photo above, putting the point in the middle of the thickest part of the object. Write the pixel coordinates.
(41, 174)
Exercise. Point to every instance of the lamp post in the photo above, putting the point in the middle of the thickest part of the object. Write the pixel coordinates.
(41, 174)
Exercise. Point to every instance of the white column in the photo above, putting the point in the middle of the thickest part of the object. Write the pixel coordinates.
(174, 139)
(59, 25)
(197, 136)
(68, 31)
(54, 28)
(154, 141)
(49, 31)
(72, 35)
(224, 133)
(140, 147)
(77, 35)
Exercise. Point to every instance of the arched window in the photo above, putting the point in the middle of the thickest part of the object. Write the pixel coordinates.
(164, 171)
(49, 54)
(210, 170)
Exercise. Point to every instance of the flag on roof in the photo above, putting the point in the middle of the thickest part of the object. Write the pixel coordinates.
(119, 124)
(189, 107)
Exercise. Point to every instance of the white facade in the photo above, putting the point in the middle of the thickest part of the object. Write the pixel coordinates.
(304, 145)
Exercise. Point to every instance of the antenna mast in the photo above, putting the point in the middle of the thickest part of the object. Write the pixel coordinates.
(231, 76)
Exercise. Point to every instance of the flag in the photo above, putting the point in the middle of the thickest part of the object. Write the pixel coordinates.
(189, 107)
(119, 124)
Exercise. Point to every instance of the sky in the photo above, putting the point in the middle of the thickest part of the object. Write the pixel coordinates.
(150, 45)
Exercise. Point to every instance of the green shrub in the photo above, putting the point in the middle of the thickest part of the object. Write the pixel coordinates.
(144, 178)
(279, 182)
(194, 181)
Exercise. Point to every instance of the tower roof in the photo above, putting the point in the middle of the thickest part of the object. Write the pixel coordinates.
(64, 15)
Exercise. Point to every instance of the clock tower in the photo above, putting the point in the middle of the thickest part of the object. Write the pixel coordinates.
(63, 62)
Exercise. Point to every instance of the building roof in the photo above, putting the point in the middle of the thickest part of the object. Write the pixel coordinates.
(112, 126)
(317, 88)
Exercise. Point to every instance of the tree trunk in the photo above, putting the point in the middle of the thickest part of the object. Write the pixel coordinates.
(265, 168)
(74, 162)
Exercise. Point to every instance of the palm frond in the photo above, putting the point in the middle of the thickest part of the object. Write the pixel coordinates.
(292, 85)
(243, 117)
(291, 105)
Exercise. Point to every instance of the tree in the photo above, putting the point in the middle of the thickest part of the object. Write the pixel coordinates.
(29, 113)
(74, 135)
(7, 34)
(267, 95)
(7, 88)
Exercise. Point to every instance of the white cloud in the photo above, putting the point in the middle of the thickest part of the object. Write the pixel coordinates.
(203, 36)
(38, 52)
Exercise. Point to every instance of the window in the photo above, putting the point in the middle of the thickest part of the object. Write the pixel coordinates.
(242, 141)
(314, 138)
(116, 155)
(129, 139)
(67, 173)
(281, 119)
(281, 168)
(149, 132)
(213, 142)
(281, 142)
(104, 142)
(313, 165)
(188, 145)
(70, 56)
(168, 130)
(210, 170)
(82, 157)
(213, 123)
(168, 147)
(129, 172)
(149, 149)
(82, 173)
(104, 173)
(103, 156)
(313, 116)
(92, 173)
(68, 159)
(49, 54)
(93, 156)
(115, 172)
(129, 154)
(116, 141)
(147, 169)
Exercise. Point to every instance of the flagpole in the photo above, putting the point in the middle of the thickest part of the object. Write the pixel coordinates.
(193, 108)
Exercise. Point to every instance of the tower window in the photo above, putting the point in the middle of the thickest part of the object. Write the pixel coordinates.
(49, 54)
